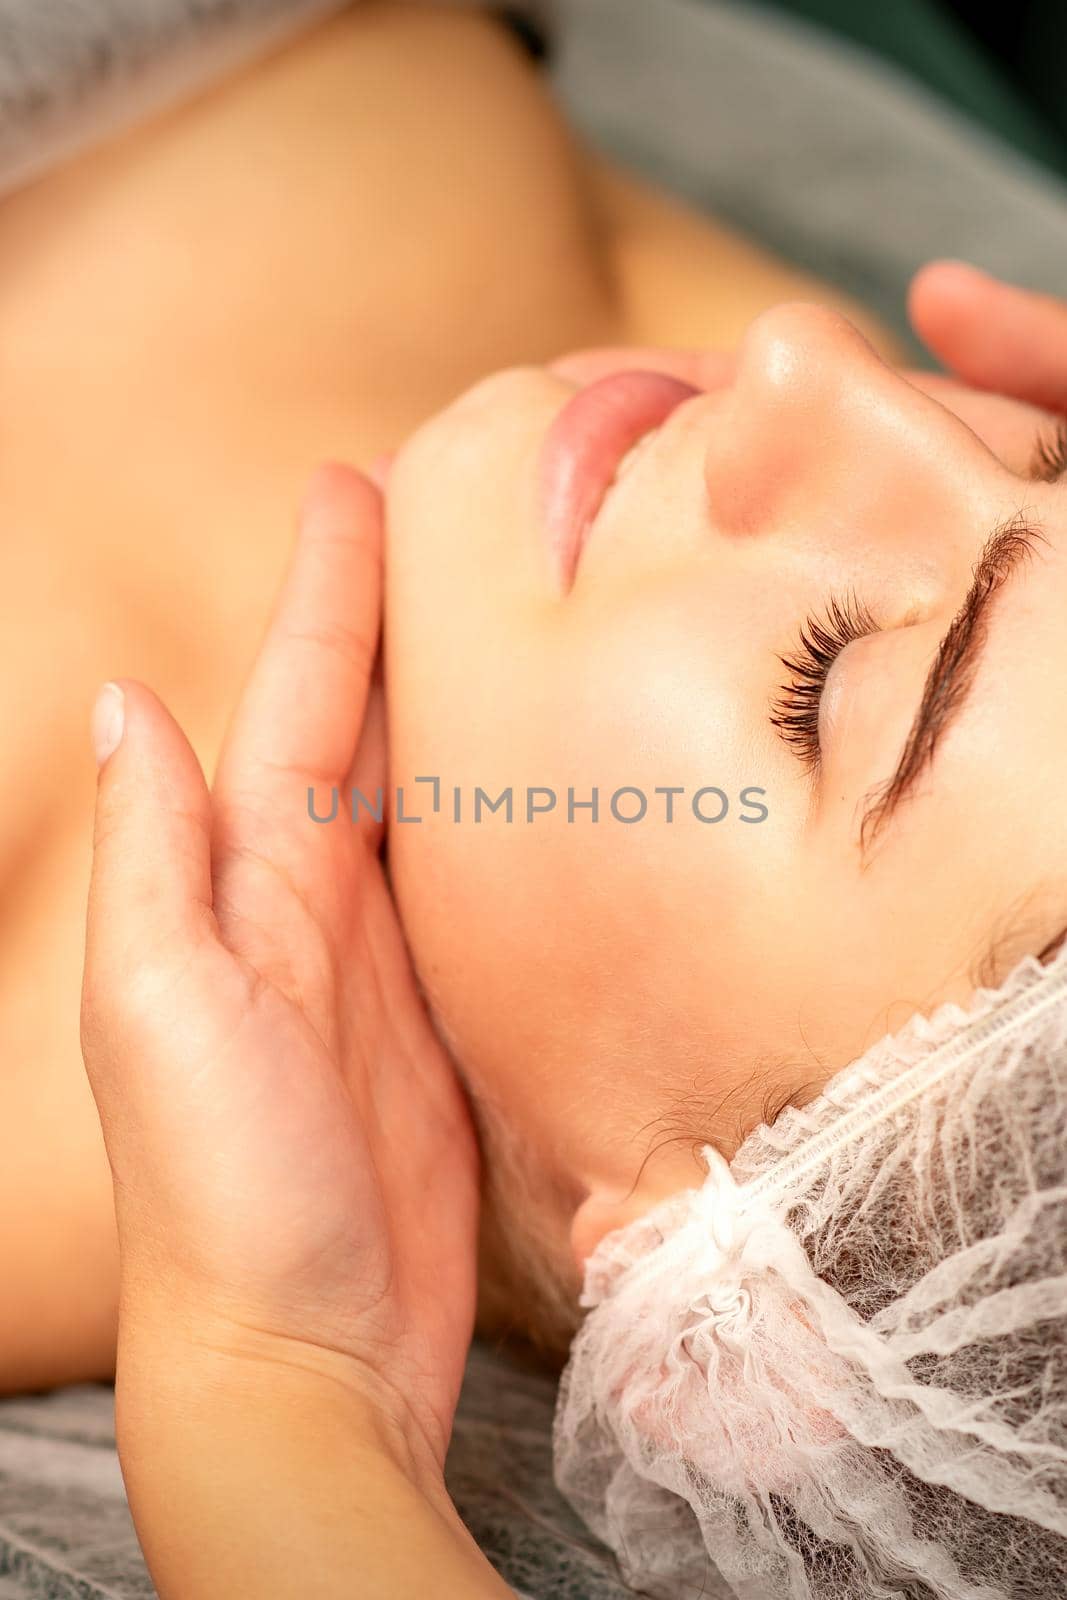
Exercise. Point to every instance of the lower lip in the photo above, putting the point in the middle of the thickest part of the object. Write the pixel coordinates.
(583, 449)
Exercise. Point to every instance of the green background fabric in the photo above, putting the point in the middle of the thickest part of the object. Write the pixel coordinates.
(1001, 64)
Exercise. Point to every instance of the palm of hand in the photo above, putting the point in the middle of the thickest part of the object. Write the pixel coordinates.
(292, 1141)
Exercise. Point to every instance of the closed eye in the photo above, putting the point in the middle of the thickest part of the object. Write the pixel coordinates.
(1048, 464)
(795, 713)
(795, 710)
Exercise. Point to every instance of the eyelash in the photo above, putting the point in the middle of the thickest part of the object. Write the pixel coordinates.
(1050, 454)
(795, 709)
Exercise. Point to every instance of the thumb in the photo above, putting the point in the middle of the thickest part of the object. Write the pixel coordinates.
(150, 889)
(992, 334)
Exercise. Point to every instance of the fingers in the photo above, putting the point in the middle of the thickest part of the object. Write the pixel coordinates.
(150, 890)
(367, 778)
(705, 369)
(300, 715)
(992, 334)
(280, 863)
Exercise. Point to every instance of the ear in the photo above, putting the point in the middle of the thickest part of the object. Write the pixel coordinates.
(608, 1206)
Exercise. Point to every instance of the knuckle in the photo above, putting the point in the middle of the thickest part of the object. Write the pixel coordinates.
(125, 1005)
(147, 998)
(339, 638)
(106, 827)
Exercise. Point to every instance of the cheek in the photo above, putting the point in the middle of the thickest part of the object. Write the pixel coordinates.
(557, 947)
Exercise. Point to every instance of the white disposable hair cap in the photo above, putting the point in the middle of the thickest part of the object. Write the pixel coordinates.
(838, 1371)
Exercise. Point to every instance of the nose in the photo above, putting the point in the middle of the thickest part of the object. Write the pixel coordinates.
(818, 427)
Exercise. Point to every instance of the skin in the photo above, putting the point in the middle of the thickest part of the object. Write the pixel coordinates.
(295, 1172)
(166, 568)
(307, 260)
(624, 994)
(297, 1291)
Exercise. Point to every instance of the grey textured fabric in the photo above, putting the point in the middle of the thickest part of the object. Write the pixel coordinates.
(65, 1531)
(833, 161)
(74, 71)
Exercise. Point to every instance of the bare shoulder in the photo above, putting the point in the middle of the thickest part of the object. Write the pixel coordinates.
(58, 1255)
(687, 279)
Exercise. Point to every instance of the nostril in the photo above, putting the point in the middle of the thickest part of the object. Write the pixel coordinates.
(811, 399)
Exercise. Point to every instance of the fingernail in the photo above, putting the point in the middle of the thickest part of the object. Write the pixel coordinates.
(108, 720)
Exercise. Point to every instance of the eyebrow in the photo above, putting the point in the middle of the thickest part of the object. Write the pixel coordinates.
(949, 680)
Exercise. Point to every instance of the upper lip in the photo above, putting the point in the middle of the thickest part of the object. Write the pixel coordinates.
(584, 445)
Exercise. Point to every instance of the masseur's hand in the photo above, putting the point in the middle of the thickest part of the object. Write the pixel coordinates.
(991, 334)
(294, 1167)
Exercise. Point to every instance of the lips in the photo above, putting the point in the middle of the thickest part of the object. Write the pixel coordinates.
(586, 445)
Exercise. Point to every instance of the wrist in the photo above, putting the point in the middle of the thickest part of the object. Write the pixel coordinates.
(177, 1361)
(257, 1466)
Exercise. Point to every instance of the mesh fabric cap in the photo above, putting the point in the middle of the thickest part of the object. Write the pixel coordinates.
(839, 1369)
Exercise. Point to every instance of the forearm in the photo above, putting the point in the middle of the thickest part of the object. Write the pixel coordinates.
(258, 1476)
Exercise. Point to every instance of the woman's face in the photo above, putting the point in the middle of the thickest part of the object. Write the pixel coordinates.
(611, 987)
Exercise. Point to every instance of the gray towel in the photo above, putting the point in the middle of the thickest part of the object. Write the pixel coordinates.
(831, 157)
(74, 71)
(65, 1531)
